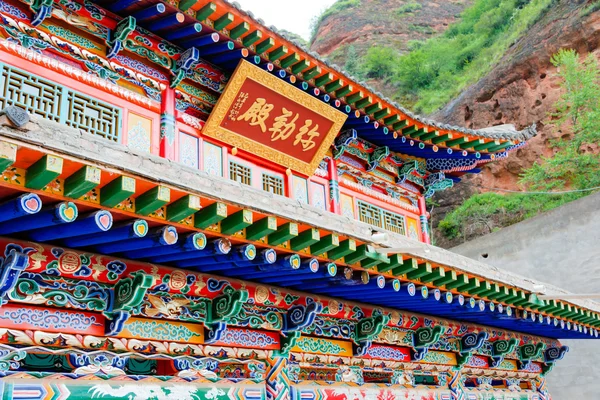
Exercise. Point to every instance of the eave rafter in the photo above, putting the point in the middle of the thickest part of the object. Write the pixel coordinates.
(258, 238)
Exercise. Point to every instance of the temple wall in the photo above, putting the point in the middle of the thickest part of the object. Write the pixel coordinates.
(559, 247)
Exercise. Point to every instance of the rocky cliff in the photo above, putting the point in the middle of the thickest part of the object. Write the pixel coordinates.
(521, 89)
(392, 23)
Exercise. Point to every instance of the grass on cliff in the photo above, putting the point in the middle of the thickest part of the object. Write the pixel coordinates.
(438, 69)
(335, 8)
(575, 165)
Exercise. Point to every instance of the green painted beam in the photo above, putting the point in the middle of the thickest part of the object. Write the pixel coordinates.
(236, 222)
(185, 5)
(301, 66)
(239, 30)
(311, 73)
(508, 296)
(116, 191)
(470, 144)
(408, 265)
(395, 260)
(210, 215)
(418, 133)
(223, 21)
(261, 228)
(486, 145)
(375, 259)
(284, 233)
(290, 60)
(252, 38)
(422, 270)
(325, 245)
(354, 97)
(334, 85)
(183, 208)
(382, 113)
(373, 108)
(391, 120)
(206, 11)
(495, 292)
(450, 276)
(343, 91)
(8, 155)
(471, 285)
(82, 181)
(346, 247)
(362, 252)
(265, 45)
(152, 200)
(365, 101)
(501, 146)
(461, 280)
(400, 125)
(324, 79)
(429, 135)
(484, 286)
(43, 171)
(436, 273)
(278, 53)
(457, 141)
(441, 138)
(409, 130)
(305, 239)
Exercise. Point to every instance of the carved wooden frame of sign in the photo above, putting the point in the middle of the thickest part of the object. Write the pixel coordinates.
(237, 102)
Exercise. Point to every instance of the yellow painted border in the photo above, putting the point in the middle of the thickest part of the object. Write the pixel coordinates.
(244, 71)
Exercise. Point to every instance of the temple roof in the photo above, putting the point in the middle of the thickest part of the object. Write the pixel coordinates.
(376, 118)
(495, 297)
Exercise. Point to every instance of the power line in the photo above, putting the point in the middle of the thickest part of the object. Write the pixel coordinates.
(525, 192)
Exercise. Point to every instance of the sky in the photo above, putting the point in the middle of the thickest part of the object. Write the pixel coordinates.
(291, 15)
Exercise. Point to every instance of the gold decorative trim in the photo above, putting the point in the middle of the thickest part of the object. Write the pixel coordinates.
(244, 71)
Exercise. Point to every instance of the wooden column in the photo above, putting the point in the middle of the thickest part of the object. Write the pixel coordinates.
(278, 381)
(424, 221)
(167, 124)
(334, 187)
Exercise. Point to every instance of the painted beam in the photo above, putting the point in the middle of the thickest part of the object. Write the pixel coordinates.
(94, 223)
(252, 38)
(130, 230)
(62, 213)
(345, 248)
(26, 204)
(423, 269)
(223, 21)
(237, 222)
(82, 181)
(152, 200)
(183, 208)
(206, 11)
(238, 30)
(305, 239)
(261, 228)
(8, 155)
(284, 233)
(210, 215)
(116, 191)
(43, 171)
(326, 244)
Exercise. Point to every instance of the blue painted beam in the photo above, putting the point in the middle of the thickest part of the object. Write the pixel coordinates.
(246, 252)
(217, 48)
(201, 41)
(189, 243)
(164, 236)
(94, 223)
(217, 246)
(26, 204)
(62, 213)
(131, 230)
(173, 21)
(190, 30)
(151, 12)
(225, 58)
(121, 5)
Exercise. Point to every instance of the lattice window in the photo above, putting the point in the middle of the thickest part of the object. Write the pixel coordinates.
(273, 184)
(240, 173)
(93, 116)
(36, 95)
(369, 214)
(393, 222)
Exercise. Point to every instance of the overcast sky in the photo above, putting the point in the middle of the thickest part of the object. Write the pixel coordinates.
(291, 15)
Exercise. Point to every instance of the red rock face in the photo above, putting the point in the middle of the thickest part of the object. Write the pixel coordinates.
(520, 90)
(383, 22)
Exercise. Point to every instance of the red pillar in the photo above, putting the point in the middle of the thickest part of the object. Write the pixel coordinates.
(424, 220)
(334, 187)
(167, 124)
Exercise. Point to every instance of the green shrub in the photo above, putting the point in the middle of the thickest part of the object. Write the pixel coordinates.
(407, 8)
